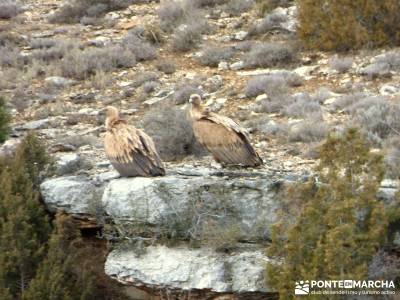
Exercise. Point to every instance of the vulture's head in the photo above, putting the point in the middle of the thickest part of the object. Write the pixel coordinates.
(111, 115)
(195, 100)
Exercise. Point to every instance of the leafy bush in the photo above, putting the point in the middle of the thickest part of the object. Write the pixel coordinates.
(4, 121)
(349, 24)
(9, 9)
(270, 54)
(331, 226)
(212, 55)
(172, 133)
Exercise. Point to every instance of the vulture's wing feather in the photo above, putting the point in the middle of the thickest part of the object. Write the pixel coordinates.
(132, 152)
(226, 140)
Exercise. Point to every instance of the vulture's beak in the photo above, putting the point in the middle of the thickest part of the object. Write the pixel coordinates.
(190, 100)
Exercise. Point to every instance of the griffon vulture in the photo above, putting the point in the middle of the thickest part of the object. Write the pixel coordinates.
(226, 140)
(130, 150)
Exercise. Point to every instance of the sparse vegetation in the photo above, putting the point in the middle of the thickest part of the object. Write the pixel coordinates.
(74, 11)
(186, 37)
(265, 6)
(270, 54)
(380, 121)
(166, 67)
(172, 133)
(9, 9)
(274, 85)
(308, 131)
(82, 64)
(212, 55)
(237, 7)
(349, 24)
(141, 78)
(150, 86)
(341, 64)
(184, 90)
(270, 22)
(142, 49)
(303, 108)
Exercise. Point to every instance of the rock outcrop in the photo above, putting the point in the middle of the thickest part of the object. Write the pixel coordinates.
(241, 204)
(228, 209)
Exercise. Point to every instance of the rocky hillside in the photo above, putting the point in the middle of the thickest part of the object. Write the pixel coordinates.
(61, 63)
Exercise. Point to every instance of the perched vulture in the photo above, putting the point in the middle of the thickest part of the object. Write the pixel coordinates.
(226, 140)
(130, 150)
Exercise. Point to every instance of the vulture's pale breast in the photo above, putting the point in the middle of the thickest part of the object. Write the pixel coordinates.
(132, 152)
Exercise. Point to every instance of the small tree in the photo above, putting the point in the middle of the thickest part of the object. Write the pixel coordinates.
(55, 279)
(331, 227)
(349, 24)
(24, 226)
(4, 121)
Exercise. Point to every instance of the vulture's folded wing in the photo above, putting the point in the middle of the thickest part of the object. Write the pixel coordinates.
(226, 140)
(132, 152)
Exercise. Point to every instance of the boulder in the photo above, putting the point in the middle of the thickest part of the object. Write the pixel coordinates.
(67, 163)
(189, 269)
(73, 194)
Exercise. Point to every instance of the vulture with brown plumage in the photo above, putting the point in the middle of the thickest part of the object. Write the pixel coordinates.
(130, 150)
(226, 140)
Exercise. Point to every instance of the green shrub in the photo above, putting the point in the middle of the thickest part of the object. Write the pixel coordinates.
(4, 120)
(331, 227)
(349, 24)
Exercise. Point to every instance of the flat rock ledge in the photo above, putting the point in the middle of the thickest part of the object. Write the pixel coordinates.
(190, 269)
(248, 199)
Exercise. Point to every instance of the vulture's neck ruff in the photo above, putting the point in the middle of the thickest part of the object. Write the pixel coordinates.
(198, 111)
(112, 117)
